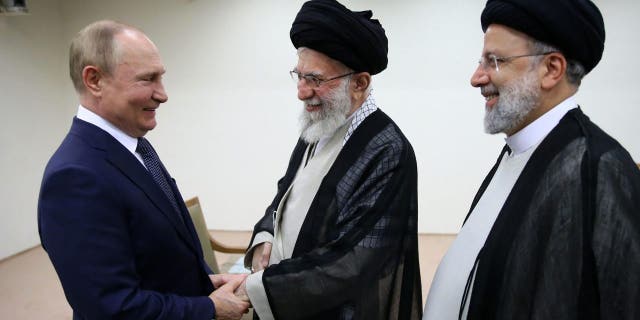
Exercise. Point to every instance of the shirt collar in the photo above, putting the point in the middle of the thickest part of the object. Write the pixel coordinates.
(368, 107)
(127, 141)
(532, 134)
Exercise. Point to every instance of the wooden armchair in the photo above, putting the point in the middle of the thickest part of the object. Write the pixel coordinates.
(207, 242)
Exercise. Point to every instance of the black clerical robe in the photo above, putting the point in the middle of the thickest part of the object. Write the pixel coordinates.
(356, 256)
(566, 244)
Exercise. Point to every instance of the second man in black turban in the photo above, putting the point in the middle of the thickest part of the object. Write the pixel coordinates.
(554, 231)
(339, 239)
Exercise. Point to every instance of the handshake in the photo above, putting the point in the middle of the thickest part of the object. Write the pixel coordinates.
(230, 296)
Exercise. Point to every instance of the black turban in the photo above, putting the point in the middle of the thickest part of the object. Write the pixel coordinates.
(575, 27)
(352, 38)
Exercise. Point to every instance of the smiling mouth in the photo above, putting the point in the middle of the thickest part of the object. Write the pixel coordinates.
(490, 96)
(313, 106)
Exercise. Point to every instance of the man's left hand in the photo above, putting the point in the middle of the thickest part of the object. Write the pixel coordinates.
(219, 280)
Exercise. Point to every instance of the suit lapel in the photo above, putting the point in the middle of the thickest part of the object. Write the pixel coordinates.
(184, 212)
(127, 163)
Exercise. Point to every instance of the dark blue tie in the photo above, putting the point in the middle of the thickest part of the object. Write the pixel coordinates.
(153, 164)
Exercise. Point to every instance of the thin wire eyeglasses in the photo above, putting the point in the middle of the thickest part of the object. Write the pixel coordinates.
(313, 80)
(494, 62)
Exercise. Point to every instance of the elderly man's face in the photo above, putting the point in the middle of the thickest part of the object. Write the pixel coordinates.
(325, 108)
(311, 62)
(513, 91)
(132, 94)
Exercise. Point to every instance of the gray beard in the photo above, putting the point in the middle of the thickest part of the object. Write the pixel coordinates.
(333, 114)
(516, 101)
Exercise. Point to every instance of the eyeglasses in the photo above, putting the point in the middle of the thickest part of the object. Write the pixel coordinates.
(313, 80)
(494, 62)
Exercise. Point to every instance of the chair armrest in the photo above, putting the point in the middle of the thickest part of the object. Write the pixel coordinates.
(218, 246)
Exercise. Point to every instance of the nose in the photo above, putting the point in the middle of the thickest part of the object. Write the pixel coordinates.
(159, 94)
(304, 90)
(480, 77)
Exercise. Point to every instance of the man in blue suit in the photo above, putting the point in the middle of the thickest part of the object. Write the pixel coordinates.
(109, 215)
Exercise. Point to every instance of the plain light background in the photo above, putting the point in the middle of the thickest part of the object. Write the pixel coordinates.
(230, 124)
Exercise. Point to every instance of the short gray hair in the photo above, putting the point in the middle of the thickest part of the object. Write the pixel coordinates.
(94, 45)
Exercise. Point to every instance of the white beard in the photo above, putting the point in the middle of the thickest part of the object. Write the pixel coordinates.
(331, 116)
(517, 99)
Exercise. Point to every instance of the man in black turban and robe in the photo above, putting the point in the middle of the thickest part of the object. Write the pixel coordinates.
(339, 240)
(554, 231)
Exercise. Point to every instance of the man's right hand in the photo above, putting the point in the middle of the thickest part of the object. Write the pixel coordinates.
(228, 306)
(261, 255)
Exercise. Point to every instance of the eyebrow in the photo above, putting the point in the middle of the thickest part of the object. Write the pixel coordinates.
(312, 73)
(158, 72)
(489, 53)
(315, 74)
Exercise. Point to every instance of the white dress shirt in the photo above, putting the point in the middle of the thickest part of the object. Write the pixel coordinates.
(126, 140)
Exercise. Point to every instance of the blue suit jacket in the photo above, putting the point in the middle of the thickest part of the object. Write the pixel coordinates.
(120, 249)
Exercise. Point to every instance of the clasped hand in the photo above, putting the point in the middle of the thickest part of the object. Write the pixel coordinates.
(230, 297)
(228, 305)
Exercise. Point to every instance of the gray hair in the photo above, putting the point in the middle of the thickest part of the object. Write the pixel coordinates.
(575, 70)
(95, 46)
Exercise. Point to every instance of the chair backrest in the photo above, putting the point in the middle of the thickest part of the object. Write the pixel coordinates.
(195, 211)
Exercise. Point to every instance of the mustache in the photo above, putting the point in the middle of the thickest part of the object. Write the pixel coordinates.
(488, 90)
(312, 101)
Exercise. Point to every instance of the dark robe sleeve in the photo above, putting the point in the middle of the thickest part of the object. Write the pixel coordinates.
(616, 236)
(367, 267)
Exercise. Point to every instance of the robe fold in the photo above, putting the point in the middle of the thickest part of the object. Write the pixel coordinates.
(356, 256)
(566, 243)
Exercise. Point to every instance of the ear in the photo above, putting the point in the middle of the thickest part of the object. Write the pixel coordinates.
(555, 66)
(359, 85)
(92, 78)
(361, 82)
(358, 88)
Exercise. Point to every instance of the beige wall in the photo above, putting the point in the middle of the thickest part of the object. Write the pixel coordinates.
(231, 121)
(33, 116)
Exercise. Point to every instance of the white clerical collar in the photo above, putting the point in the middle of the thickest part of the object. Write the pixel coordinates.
(127, 141)
(532, 134)
(368, 107)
